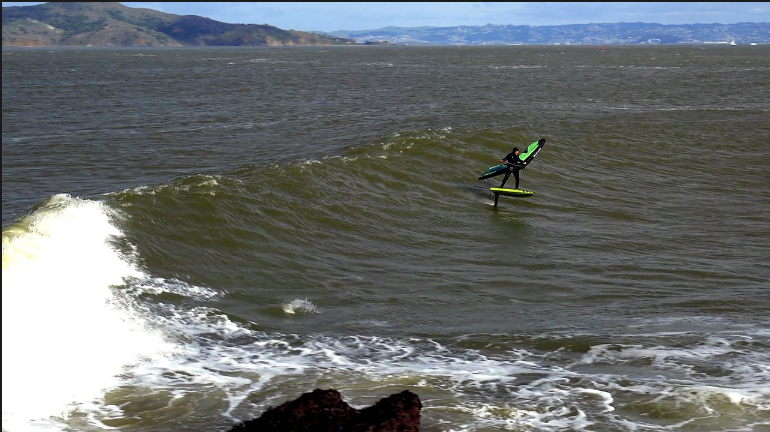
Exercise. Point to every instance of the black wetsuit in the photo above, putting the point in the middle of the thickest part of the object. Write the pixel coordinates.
(514, 165)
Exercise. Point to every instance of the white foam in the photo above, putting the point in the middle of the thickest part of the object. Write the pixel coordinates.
(65, 338)
(58, 304)
(605, 397)
(300, 305)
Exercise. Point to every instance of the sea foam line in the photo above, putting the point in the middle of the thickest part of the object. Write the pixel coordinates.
(65, 338)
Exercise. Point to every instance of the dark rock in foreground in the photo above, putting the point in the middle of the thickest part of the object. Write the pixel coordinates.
(325, 411)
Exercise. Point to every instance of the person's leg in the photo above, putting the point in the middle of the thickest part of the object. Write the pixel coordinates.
(516, 175)
(505, 179)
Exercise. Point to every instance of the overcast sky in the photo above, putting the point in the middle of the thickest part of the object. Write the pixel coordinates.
(331, 16)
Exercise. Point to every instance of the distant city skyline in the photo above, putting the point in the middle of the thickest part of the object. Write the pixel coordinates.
(332, 16)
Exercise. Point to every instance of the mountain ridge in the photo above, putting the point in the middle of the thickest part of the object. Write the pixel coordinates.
(113, 24)
(569, 34)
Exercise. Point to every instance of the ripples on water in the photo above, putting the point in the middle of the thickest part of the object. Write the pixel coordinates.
(194, 235)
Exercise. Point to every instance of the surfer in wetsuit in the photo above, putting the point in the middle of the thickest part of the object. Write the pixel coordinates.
(514, 165)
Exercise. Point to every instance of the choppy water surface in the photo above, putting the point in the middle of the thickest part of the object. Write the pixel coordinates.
(191, 236)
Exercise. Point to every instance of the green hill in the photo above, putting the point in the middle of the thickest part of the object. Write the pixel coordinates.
(112, 24)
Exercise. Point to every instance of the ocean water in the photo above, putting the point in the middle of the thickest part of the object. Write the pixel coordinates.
(194, 235)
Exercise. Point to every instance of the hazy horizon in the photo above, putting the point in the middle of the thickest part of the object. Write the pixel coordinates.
(334, 16)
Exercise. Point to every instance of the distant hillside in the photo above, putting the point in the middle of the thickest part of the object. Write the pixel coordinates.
(112, 24)
(574, 34)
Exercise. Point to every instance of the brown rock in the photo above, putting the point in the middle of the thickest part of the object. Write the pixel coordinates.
(325, 411)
